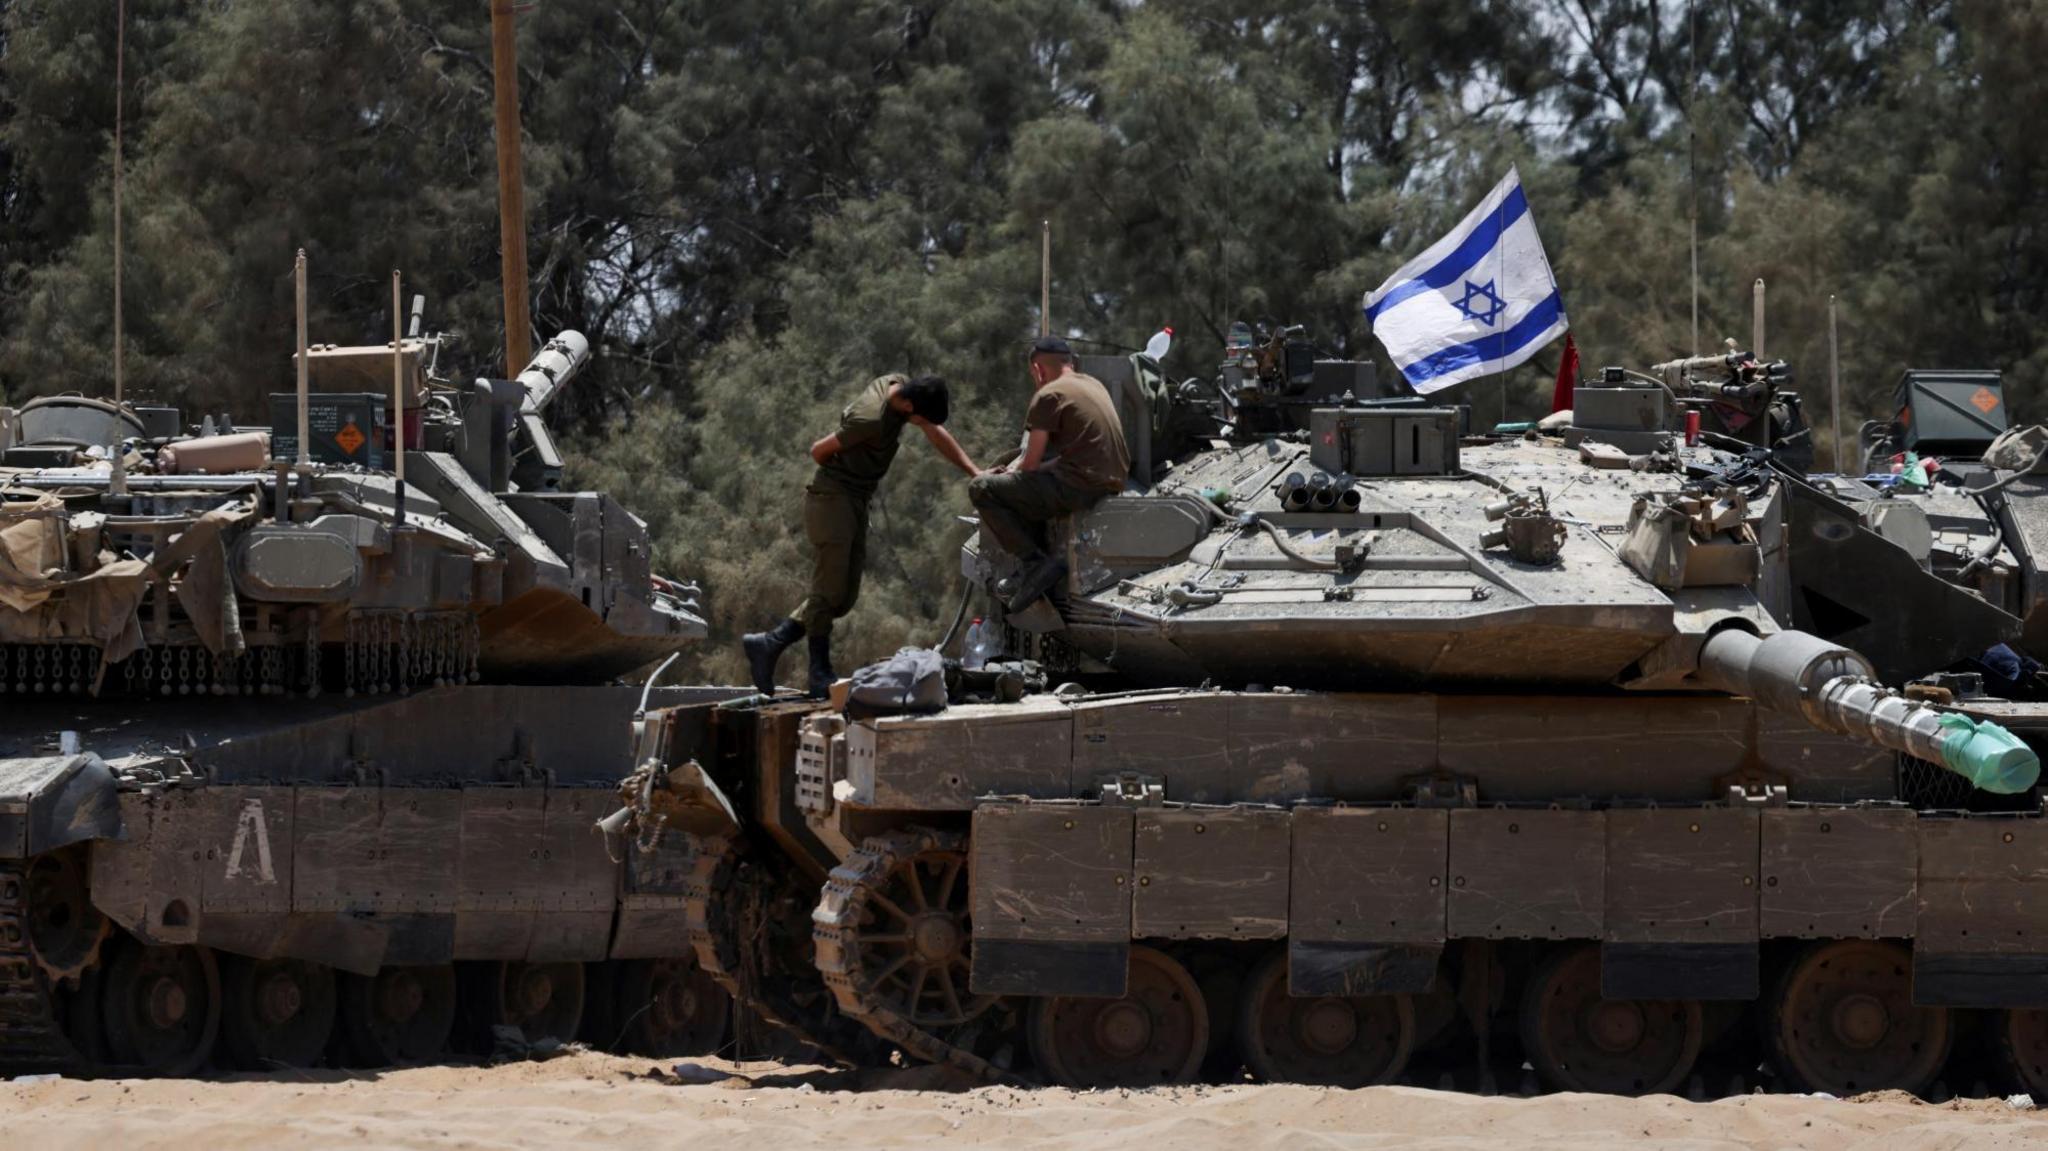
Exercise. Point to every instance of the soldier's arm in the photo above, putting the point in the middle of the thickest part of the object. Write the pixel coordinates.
(825, 449)
(1034, 451)
(943, 441)
(1039, 421)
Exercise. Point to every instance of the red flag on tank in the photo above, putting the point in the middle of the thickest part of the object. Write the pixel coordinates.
(1567, 375)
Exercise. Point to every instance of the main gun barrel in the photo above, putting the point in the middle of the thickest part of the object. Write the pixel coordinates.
(1836, 690)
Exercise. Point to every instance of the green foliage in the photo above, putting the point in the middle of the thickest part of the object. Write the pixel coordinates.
(754, 208)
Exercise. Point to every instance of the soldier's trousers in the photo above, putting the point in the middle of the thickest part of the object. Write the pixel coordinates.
(1016, 506)
(836, 522)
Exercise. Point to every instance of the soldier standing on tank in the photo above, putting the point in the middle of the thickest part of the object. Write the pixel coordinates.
(1074, 455)
(851, 463)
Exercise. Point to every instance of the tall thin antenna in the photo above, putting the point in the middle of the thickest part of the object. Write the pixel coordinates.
(305, 460)
(1756, 319)
(1763, 419)
(1834, 386)
(1045, 277)
(396, 419)
(120, 92)
(1692, 166)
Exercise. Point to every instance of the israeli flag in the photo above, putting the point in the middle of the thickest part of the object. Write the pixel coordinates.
(1479, 301)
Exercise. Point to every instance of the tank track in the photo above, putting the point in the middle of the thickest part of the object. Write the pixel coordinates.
(836, 928)
(717, 922)
(32, 1040)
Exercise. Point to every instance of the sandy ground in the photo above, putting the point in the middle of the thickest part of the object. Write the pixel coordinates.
(594, 1100)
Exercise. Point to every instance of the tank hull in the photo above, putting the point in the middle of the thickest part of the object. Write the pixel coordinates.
(441, 843)
(1347, 653)
(1443, 865)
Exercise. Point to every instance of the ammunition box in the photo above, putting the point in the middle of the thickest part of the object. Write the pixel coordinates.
(1950, 412)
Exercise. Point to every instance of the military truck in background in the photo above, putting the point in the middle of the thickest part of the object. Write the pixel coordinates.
(300, 760)
(1387, 750)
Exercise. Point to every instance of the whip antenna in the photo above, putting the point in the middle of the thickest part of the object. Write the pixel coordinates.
(1834, 385)
(396, 419)
(1045, 277)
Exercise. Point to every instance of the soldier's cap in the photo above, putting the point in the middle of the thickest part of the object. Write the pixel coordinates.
(1050, 346)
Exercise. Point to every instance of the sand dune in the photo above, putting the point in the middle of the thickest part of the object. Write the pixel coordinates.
(586, 1100)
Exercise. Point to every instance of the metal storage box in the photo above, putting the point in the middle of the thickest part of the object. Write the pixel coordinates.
(345, 427)
(1950, 411)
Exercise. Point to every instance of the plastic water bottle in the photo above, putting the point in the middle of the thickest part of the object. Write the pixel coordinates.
(970, 651)
(1157, 346)
(981, 644)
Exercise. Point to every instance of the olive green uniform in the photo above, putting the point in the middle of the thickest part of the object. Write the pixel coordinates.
(836, 503)
(1085, 460)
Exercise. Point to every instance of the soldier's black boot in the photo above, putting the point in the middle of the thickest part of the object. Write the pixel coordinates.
(821, 666)
(764, 648)
(1040, 574)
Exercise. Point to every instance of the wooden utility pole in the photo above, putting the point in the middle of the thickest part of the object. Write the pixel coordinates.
(1692, 168)
(120, 98)
(511, 187)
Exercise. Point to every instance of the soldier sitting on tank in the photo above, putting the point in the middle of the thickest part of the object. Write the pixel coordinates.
(851, 464)
(1074, 455)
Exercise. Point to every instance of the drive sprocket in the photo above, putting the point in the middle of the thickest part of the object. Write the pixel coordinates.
(65, 930)
(31, 1037)
(893, 942)
(726, 911)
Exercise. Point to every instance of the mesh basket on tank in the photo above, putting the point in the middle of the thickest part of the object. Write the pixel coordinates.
(1924, 785)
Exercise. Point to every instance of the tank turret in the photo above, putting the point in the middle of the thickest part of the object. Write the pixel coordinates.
(273, 578)
(1378, 545)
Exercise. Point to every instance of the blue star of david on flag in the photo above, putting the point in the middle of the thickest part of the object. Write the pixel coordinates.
(1490, 304)
(1479, 301)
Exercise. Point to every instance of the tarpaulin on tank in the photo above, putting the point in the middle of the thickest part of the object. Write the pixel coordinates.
(31, 549)
(205, 591)
(98, 605)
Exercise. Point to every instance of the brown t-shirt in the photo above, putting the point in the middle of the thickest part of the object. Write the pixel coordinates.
(868, 430)
(1084, 437)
